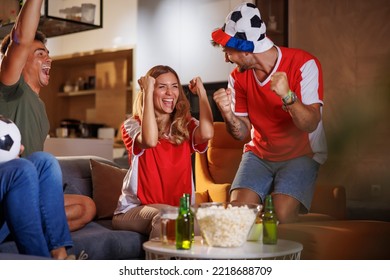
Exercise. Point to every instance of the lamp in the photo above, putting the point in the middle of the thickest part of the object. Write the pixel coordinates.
(62, 17)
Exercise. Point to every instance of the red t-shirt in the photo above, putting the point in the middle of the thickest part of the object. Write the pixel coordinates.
(274, 135)
(160, 174)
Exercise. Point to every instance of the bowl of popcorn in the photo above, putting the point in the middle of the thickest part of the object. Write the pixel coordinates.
(226, 224)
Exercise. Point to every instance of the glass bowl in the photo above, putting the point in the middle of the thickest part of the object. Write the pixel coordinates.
(226, 224)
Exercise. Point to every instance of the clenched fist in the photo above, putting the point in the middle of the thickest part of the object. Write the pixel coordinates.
(279, 84)
(223, 99)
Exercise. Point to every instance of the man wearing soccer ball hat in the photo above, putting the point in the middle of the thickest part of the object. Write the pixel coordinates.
(276, 95)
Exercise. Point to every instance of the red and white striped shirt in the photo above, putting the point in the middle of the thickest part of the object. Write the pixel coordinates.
(160, 174)
(274, 135)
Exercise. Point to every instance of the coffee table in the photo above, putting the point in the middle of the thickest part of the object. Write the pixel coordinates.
(283, 250)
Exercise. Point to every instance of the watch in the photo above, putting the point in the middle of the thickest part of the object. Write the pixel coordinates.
(292, 96)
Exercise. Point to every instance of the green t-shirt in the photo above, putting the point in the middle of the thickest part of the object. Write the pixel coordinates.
(23, 106)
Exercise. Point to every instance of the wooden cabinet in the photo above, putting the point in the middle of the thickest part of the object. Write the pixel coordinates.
(105, 101)
(275, 14)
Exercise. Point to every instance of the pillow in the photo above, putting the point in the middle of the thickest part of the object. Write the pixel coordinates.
(223, 164)
(224, 154)
(107, 183)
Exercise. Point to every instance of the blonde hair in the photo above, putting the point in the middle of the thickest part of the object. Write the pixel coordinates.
(181, 113)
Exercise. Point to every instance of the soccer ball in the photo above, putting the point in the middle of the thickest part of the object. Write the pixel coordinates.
(245, 23)
(10, 140)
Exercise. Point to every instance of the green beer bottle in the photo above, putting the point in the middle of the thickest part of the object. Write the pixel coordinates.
(191, 215)
(183, 226)
(270, 222)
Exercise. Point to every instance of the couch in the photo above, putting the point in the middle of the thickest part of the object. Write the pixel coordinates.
(325, 232)
(100, 179)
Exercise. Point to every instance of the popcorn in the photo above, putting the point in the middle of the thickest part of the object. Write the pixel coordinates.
(225, 227)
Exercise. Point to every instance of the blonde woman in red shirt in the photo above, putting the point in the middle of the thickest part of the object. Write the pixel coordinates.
(160, 138)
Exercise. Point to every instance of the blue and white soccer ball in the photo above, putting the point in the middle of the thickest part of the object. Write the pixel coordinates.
(10, 139)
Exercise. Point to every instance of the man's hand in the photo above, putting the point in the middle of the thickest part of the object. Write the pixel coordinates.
(21, 150)
(279, 84)
(223, 99)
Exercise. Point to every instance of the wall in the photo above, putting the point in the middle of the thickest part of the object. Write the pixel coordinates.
(178, 33)
(173, 32)
(351, 39)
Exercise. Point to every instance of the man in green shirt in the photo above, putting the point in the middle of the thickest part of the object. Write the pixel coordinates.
(24, 69)
(21, 104)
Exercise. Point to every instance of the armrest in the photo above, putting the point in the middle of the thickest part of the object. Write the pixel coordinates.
(204, 181)
(215, 193)
(330, 200)
(203, 177)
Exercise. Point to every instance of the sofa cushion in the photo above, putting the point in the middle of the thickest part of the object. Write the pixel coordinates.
(76, 173)
(223, 163)
(9, 246)
(330, 200)
(224, 154)
(16, 256)
(102, 243)
(340, 239)
(106, 187)
(97, 240)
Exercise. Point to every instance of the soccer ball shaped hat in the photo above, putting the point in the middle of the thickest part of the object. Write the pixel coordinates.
(9, 140)
(243, 30)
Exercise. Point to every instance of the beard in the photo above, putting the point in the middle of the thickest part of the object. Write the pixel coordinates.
(242, 68)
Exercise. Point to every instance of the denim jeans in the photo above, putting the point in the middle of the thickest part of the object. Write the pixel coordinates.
(295, 177)
(32, 204)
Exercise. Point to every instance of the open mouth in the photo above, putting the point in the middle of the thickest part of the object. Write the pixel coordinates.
(168, 101)
(46, 70)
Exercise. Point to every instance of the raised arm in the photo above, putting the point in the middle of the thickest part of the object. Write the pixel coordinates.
(148, 137)
(206, 128)
(238, 127)
(21, 37)
(305, 117)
